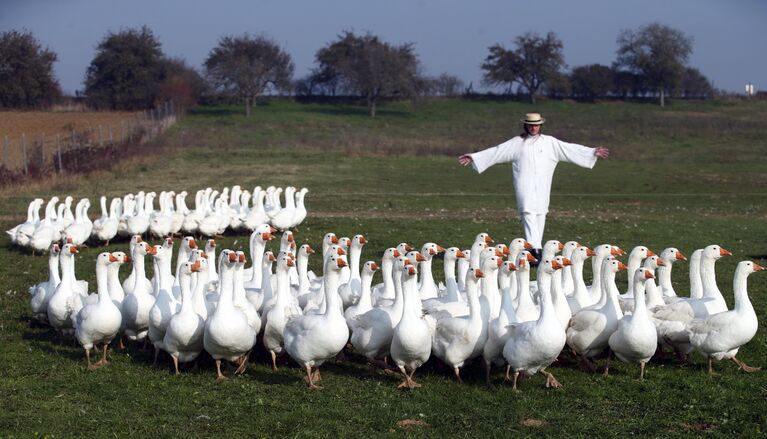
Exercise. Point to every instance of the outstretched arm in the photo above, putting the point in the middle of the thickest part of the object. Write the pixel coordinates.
(601, 152)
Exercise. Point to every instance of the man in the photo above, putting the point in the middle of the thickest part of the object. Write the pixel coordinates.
(534, 157)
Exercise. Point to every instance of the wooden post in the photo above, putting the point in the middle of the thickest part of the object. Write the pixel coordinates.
(101, 137)
(24, 152)
(110, 135)
(122, 131)
(58, 148)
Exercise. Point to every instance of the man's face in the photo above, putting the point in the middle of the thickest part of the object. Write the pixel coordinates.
(533, 130)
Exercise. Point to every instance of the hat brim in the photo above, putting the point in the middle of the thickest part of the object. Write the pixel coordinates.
(530, 122)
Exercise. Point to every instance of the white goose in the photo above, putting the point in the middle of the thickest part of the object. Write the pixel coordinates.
(580, 297)
(256, 216)
(350, 291)
(313, 339)
(669, 256)
(280, 310)
(533, 346)
(719, 336)
(166, 305)
(459, 339)
(283, 218)
(450, 291)
(498, 328)
(303, 292)
(635, 340)
(411, 342)
(66, 301)
(228, 335)
(42, 292)
(567, 276)
(365, 303)
(385, 290)
(590, 329)
(627, 304)
(138, 296)
(184, 334)
(601, 252)
(105, 228)
(20, 233)
(98, 322)
(428, 288)
(300, 212)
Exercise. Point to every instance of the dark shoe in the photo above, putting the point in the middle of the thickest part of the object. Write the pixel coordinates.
(536, 252)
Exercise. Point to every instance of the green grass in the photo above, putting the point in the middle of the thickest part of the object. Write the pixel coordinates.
(685, 176)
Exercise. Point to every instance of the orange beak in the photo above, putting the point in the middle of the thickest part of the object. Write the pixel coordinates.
(212, 242)
(192, 244)
(758, 267)
(139, 239)
(419, 257)
(272, 257)
(616, 251)
(478, 273)
(528, 246)
(724, 252)
(196, 266)
(460, 254)
(341, 263)
(511, 266)
(561, 246)
(650, 253)
(363, 240)
(151, 251)
(488, 239)
(621, 265)
(590, 252)
(291, 263)
(500, 262)
(290, 238)
(309, 249)
(266, 236)
(408, 247)
(334, 239)
(204, 255)
(411, 270)
(440, 249)
(522, 263)
(555, 265)
(566, 262)
(498, 253)
(531, 258)
(432, 251)
(374, 266)
(340, 251)
(272, 230)
(112, 258)
(649, 275)
(661, 263)
(397, 253)
(126, 259)
(680, 256)
(232, 257)
(242, 258)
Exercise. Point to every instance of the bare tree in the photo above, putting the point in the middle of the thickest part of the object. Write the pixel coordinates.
(447, 85)
(535, 60)
(246, 67)
(658, 53)
(370, 68)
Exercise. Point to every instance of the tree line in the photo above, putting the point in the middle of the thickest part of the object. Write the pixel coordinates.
(130, 71)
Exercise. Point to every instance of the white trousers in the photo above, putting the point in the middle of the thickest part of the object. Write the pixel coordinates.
(533, 224)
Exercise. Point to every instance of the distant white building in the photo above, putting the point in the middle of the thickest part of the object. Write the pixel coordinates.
(749, 89)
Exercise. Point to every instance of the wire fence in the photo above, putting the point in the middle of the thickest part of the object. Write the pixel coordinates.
(79, 150)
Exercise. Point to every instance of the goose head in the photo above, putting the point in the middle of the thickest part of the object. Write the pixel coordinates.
(391, 253)
(671, 254)
(415, 257)
(519, 244)
(454, 253)
(369, 267)
(359, 240)
(715, 252)
(653, 262)
(503, 248)
(484, 237)
(121, 258)
(305, 250)
(404, 248)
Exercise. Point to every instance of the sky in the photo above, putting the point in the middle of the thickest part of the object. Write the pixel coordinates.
(450, 36)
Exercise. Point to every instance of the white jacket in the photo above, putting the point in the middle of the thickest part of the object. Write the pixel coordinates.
(533, 162)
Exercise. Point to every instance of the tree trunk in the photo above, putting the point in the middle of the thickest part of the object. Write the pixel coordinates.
(532, 98)
(662, 98)
(247, 106)
(372, 107)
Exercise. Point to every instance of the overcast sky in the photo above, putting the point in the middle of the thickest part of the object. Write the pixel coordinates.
(450, 36)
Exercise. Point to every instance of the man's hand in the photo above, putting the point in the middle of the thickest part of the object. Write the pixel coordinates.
(465, 159)
(600, 152)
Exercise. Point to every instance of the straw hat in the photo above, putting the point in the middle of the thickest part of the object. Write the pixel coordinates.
(533, 119)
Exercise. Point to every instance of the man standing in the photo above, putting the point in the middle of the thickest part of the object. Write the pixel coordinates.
(534, 157)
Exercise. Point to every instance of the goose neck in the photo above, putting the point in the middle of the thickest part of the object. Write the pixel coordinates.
(740, 288)
(102, 284)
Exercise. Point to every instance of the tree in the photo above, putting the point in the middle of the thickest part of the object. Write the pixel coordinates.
(535, 60)
(591, 81)
(181, 84)
(26, 71)
(447, 85)
(657, 52)
(695, 85)
(372, 69)
(126, 72)
(248, 66)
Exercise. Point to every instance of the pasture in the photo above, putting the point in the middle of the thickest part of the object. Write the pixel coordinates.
(688, 175)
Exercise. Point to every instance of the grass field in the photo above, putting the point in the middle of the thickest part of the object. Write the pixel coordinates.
(687, 176)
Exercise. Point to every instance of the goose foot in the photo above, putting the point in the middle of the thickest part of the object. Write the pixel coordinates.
(711, 372)
(120, 344)
(516, 377)
(219, 375)
(551, 382)
(457, 373)
(311, 377)
(274, 360)
(156, 354)
(243, 364)
(745, 367)
(607, 366)
(175, 363)
(506, 377)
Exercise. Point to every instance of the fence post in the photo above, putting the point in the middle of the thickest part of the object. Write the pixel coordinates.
(101, 137)
(24, 152)
(58, 148)
(110, 134)
(122, 131)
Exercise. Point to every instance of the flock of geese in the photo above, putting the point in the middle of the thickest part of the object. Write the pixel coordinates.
(487, 306)
(214, 213)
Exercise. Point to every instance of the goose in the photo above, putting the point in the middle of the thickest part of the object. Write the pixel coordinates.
(66, 300)
(128, 209)
(372, 331)
(288, 245)
(200, 301)
(719, 336)
(257, 244)
(637, 255)
(498, 328)
(328, 240)
(489, 293)
(45, 232)
(712, 301)
(635, 339)
(105, 228)
(228, 335)
(696, 281)
(183, 339)
(428, 288)
(20, 233)
(580, 297)
(184, 250)
(567, 276)
(300, 212)
(138, 223)
(279, 310)
(116, 291)
(98, 322)
(601, 252)
(256, 215)
(67, 218)
(303, 292)
(385, 290)
(259, 297)
(346, 273)
(42, 292)
(516, 246)
(138, 296)
(561, 307)
(193, 217)
(533, 346)
(240, 295)
(450, 289)
(365, 303)
(131, 279)
(167, 248)
(669, 256)
(161, 222)
(179, 213)
(283, 219)
(411, 342)
(166, 304)
(350, 291)
(590, 329)
(459, 339)
(313, 339)
(525, 306)
(462, 268)
(627, 304)
(475, 252)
